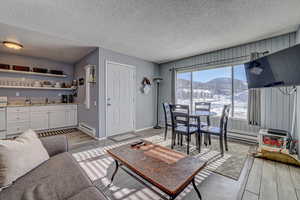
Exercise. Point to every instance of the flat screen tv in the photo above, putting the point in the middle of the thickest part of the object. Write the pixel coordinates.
(278, 69)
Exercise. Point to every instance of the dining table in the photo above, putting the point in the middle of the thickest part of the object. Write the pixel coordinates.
(201, 113)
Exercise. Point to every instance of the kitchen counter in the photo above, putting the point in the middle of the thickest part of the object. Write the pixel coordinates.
(39, 104)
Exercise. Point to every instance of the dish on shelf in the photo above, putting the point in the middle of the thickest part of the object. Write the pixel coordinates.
(56, 72)
(4, 66)
(21, 68)
(39, 70)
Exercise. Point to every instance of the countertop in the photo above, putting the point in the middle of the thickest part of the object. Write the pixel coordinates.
(39, 104)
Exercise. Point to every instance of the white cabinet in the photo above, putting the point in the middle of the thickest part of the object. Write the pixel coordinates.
(57, 119)
(71, 117)
(39, 120)
(20, 119)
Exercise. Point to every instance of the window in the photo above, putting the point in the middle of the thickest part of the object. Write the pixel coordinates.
(183, 88)
(240, 92)
(220, 86)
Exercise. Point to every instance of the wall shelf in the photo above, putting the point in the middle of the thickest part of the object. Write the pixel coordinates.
(35, 88)
(32, 73)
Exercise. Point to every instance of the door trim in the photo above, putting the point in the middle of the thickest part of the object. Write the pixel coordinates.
(134, 93)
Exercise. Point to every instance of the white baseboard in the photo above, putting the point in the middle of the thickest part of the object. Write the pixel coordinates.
(143, 129)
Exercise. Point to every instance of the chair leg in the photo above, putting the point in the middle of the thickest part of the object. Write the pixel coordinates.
(178, 138)
(173, 139)
(209, 139)
(196, 139)
(188, 144)
(199, 141)
(221, 145)
(181, 140)
(166, 131)
(225, 139)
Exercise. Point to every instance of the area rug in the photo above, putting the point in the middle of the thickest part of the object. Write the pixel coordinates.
(99, 168)
(123, 137)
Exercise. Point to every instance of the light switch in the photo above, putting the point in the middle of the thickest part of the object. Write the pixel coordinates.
(17, 94)
(95, 103)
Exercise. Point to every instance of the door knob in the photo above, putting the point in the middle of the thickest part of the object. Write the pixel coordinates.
(108, 104)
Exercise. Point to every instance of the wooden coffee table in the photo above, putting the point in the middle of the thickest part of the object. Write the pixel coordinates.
(168, 170)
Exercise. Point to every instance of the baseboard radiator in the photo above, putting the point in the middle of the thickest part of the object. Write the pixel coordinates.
(87, 129)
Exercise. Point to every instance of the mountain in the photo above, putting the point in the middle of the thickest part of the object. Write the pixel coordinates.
(219, 84)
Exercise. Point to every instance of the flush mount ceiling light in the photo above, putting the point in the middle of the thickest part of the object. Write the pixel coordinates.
(12, 45)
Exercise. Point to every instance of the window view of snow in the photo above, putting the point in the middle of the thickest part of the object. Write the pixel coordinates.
(215, 86)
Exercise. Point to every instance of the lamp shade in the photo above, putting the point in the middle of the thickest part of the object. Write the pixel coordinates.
(157, 79)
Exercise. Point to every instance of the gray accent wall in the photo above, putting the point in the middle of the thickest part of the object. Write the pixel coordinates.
(14, 59)
(145, 104)
(88, 116)
(276, 107)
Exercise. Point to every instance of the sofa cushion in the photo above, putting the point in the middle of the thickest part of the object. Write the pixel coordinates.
(90, 193)
(19, 156)
(59, 178)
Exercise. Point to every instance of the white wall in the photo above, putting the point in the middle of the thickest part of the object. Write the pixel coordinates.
(297, 128)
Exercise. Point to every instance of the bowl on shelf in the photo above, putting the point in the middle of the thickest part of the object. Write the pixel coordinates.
(4, 66)
(56, 72)
(21, 68)
(39, 70)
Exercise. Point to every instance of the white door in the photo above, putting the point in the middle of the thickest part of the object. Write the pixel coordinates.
(120, 94)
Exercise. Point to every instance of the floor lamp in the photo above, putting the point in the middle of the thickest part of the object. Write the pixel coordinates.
(157, 80)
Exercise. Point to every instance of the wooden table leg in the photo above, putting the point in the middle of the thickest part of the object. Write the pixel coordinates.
(115, 172)
(195, 187)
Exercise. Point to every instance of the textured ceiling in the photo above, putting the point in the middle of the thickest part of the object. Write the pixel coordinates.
(155, 30)
(42, 45)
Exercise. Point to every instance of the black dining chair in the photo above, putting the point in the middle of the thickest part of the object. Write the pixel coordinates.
(168, 120)
(204, 106)
(181, 126)
(220, 131)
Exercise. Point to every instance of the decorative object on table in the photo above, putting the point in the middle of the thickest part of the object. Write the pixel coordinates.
(81, 81)
(146, 85)
(37, 84)
(39, 70)
(3, 101)
(47, 84)
(4, 66)
(74, 83)
(157, 80)
(57, 85)
(21, 68)
(56, 72)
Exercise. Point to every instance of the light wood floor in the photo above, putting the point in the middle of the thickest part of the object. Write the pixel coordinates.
(270, 180)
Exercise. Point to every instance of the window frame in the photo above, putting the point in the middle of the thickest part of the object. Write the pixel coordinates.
(209, 68)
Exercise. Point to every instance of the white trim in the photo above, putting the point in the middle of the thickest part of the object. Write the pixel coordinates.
(102, 138)
(143, 129)
(134, 91)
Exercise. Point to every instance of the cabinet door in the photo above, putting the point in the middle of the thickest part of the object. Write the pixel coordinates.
(39, 120)
(71, 117)
(57, 119)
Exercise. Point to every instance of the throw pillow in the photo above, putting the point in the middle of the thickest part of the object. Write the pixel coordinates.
(19, 156)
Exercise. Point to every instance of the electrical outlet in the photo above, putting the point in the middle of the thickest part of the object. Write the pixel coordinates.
(59, 94)
(17, 94)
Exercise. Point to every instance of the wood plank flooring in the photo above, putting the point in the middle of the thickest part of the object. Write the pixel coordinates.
(270, 180)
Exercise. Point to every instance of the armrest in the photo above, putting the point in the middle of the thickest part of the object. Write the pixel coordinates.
(55, 144)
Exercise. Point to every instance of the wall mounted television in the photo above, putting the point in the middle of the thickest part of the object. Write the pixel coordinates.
(278, 69)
